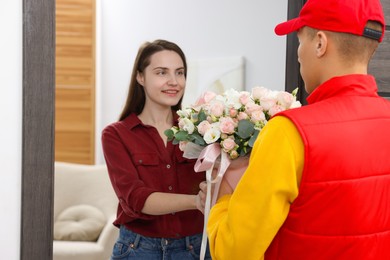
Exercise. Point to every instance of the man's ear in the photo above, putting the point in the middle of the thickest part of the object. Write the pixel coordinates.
(321, 44)
(140, 78)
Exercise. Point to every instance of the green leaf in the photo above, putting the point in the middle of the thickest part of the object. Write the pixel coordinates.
(198, 139)
(175, 141)
(253, 138)
(238, 141)
(295, 92)
(245, 128)
(170, 134)
(245, 151)
(195, 118)
(181, 136)
(202, 116)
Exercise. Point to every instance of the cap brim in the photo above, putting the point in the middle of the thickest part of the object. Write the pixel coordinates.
(288, 26)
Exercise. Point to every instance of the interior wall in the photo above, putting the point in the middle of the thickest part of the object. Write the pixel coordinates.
(203, 29)
(11, 127)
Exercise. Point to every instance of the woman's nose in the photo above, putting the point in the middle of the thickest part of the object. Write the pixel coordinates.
(172, 79)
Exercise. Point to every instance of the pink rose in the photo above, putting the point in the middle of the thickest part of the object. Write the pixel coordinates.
(227, 125)
(244, 97)
(203, 127)
(242, 116)
(233, 112)
(217, 109)
(205, 98)
(233, 154)
(252, 107)
(267, 103)
(228, 144)
(224, 136)
(275, 109)
(257, 116)
(285, 99)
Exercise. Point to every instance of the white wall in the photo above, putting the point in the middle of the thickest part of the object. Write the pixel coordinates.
(202, 28)
(11, 127)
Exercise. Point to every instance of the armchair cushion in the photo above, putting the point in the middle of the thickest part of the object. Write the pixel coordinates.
(79, 184)
(79, 223)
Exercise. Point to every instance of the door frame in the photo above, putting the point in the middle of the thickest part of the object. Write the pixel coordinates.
(293, 76)
(36, 230)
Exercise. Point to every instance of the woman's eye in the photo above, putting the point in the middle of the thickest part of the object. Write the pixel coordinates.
(161, 72)
(180, 72)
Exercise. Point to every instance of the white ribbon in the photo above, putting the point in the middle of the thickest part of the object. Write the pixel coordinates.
(206, 162)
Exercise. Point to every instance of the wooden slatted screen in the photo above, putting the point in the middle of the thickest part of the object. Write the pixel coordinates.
(380, 63)
(75, 81)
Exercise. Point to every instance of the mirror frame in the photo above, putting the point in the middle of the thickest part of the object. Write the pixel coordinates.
(36, 237)
(37, 201)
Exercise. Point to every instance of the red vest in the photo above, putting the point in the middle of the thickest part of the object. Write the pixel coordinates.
(343, 207)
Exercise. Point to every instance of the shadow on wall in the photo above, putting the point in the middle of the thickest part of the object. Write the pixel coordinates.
(217, 75)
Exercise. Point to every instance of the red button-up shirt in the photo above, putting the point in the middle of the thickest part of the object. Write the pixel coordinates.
(139, 164)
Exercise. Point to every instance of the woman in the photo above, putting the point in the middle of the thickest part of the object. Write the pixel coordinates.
(159, 212)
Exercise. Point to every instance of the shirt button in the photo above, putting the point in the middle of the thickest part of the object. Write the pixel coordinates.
(140, 161)
(170, 188)
(168, 166)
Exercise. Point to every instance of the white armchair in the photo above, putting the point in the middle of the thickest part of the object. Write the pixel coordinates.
(84, 209)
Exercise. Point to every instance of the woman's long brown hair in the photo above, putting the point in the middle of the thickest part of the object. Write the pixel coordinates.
(136, 97)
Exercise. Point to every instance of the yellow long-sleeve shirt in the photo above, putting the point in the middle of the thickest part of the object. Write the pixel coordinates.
(242, 225)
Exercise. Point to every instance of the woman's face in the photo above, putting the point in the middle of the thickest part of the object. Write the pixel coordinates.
(163, 80)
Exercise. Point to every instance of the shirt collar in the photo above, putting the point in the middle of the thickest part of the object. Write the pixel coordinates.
(133, 121)
(349, 85)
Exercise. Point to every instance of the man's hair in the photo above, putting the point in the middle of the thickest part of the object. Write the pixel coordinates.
(353, 48)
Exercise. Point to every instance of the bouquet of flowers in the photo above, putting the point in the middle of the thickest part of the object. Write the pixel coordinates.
(232, 119)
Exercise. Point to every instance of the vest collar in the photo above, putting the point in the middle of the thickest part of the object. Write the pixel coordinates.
(349, 85)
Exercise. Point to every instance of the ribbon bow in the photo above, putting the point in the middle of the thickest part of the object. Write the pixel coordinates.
(206, 162)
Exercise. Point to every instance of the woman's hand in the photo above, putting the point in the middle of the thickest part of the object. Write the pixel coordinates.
(201, 197)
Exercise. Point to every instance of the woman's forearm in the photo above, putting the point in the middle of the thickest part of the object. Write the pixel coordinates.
(159, 203)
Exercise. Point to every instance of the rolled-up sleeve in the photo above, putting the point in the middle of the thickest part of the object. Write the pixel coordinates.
(129, 188)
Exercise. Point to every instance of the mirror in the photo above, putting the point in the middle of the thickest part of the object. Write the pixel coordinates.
(204, 30)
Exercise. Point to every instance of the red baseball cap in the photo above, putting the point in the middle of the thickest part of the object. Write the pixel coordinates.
(347, 16)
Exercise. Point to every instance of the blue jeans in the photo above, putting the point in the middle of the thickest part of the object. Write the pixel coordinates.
(131, 245)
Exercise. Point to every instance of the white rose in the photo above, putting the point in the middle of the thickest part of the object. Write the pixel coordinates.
(212, 135)
(259, 92)
(184, 112)
(285, 99)
(295, 104)
(267, 103)
(186, 125)
(233, 98)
